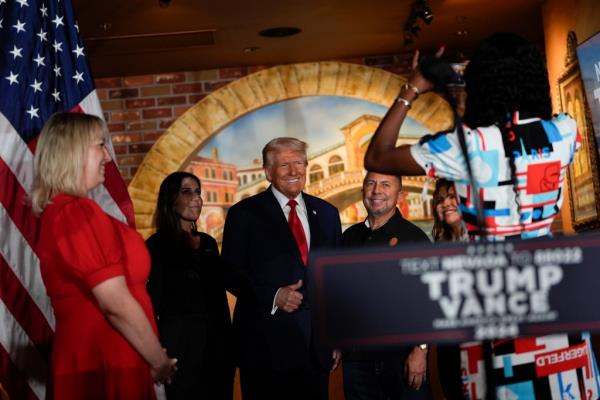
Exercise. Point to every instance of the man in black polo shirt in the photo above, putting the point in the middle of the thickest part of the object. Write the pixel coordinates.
(398, 373)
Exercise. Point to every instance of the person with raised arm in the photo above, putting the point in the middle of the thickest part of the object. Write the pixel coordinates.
(508, 162)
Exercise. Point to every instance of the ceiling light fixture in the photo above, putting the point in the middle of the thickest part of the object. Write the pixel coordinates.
(281, 31)
(423, 11)
(419, 9)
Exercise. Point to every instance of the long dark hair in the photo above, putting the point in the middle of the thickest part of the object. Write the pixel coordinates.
(166, 219)
(506, 74)
(441, 231)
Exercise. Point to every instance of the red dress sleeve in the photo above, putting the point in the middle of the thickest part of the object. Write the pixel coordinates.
(89, 242)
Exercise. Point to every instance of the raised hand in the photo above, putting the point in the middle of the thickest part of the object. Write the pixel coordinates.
(416, 81)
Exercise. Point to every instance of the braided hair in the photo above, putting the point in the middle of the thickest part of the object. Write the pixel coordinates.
(507, 74)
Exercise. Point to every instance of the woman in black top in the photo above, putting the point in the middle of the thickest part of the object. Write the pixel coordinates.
(188, 294)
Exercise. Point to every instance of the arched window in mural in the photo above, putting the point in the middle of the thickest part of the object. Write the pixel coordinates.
(245, 179)
(336, 164)
(316, 173)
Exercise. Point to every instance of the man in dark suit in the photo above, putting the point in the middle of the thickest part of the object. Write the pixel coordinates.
(265, 249)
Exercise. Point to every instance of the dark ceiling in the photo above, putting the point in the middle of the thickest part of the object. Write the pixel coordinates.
(131, 37)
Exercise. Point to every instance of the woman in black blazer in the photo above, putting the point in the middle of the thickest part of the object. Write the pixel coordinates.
(188, 294)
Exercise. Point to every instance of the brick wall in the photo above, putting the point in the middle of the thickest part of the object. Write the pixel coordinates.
(138, 109)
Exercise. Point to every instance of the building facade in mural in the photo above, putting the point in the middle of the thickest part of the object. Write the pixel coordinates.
(219, 186)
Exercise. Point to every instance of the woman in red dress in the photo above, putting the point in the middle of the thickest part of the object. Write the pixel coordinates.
(95, 270)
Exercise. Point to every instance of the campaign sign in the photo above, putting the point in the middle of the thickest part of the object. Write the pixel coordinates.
(455, 292)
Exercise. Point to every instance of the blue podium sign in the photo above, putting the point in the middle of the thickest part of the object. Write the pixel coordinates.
(455, 292)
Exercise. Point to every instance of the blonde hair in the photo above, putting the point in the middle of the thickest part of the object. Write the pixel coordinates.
(279, 144)
(60, 156)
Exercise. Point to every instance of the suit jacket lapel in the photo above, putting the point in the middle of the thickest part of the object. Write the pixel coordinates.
(313, 221)
(280, 225)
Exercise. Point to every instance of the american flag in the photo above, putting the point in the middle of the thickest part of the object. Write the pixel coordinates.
(43, 69)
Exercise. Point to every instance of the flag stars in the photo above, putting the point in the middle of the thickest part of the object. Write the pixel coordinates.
(78, 51)
(78, 77)
(12, 78)
(57, 46)
(16, 52)
(23, 3)
(44, 10)
(42, 35)
(56, 95)
(33, 112)
(58, 21)
(57, 71)
(19, 26)
(37, 86)
(39, 60)
(1, 23)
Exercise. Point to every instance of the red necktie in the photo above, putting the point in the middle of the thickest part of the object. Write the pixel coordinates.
(298, 231)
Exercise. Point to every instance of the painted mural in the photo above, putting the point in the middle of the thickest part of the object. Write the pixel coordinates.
(337, 130)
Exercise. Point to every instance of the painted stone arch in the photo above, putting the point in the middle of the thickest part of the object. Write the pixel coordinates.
(214, 112)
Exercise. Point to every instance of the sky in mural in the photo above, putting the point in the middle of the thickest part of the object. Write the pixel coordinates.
(316, 120)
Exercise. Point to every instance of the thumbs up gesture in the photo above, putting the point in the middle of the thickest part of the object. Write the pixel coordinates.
(288, 298)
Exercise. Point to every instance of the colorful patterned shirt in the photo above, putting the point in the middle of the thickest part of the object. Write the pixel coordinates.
(541, 150)
(557, 367)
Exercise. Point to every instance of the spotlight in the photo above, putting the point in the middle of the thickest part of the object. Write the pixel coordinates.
(419, 9)
(422, 10)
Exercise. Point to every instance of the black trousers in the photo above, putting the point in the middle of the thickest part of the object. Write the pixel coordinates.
(294, 384)
(449, 371)
(205, 369)
(380, 380)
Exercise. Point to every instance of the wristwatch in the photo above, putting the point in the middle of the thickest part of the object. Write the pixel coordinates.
(423, 346)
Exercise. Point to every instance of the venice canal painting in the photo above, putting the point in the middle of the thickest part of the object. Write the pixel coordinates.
(337, 130)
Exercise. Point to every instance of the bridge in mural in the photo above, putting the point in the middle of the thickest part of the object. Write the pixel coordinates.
(334, 174)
